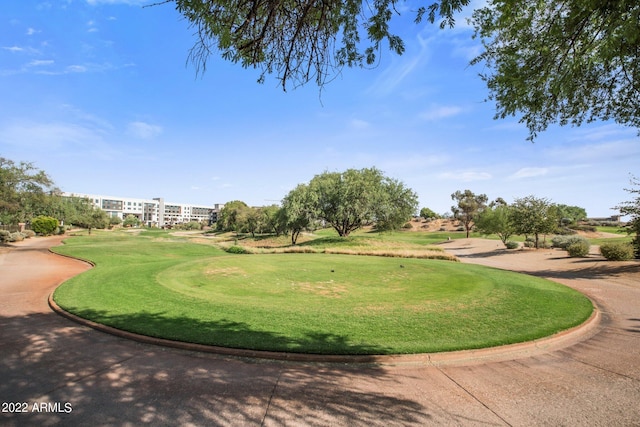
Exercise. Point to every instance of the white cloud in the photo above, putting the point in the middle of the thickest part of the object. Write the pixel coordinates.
(13, 48)
(76, 69)
(529, 173)
(144, 130)
(50, 136)
(465, 176)
(440, 112)
(32, 31)
(40, 62)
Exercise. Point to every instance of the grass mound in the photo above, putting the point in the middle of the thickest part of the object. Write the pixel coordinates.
(309, 302)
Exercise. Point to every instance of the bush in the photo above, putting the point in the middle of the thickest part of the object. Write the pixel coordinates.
(565, 231)
(563, 242)
(512, 245)
(44, 225)
(578, 249)
(4, 235)
(617, 251)
(191, 225)
(16, 237)
(28, 234)
(407, 226)
(588, 228)
(236, 250)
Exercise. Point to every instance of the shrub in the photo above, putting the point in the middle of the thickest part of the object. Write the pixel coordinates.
(28, 234)
(191, 225)
(407, 226)
(529, 243)
(617, 251)
(578, 249)
(16, 237)
(236, 250)
(563, 242)
(4, 235)
(565, 231)
(588, 228)
(44, 225)
(512, 245)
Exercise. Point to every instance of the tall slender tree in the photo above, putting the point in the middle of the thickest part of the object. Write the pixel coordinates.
(468, 206)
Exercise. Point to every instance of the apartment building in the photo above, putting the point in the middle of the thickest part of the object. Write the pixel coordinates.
(152, 212)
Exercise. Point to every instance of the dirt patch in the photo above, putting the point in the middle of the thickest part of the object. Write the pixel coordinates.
(326, 289)
(226, 272)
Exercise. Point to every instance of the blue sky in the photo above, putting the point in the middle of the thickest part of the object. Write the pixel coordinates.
(99, 94)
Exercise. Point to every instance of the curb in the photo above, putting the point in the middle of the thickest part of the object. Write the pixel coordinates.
(463, 357)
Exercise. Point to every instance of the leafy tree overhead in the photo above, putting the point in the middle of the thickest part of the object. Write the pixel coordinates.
(566, 62)
(562, 61)
(301, 40)
(468, 206)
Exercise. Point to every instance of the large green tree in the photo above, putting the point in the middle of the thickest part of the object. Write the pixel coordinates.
(533, 216)
(468, 206)
(296, 214)
(232, 216)
(23, 191)
(427, 213)
(571, 214)
(354, 198)
(397, 204)
(90, 217)
(555, 61)
(496, 219)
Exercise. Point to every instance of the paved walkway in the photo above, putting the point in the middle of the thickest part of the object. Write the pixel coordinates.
(75, 375)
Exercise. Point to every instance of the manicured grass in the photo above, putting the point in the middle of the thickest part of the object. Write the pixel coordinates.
(622, 232)
(163, 286)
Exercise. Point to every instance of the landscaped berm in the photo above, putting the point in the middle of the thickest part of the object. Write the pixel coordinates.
(318, 302)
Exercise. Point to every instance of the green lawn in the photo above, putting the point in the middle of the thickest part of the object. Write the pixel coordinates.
(168, 287)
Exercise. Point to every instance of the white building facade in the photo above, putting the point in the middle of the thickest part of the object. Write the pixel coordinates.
(152, 212)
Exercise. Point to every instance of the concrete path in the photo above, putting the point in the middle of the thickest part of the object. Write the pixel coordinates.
(62, 373)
